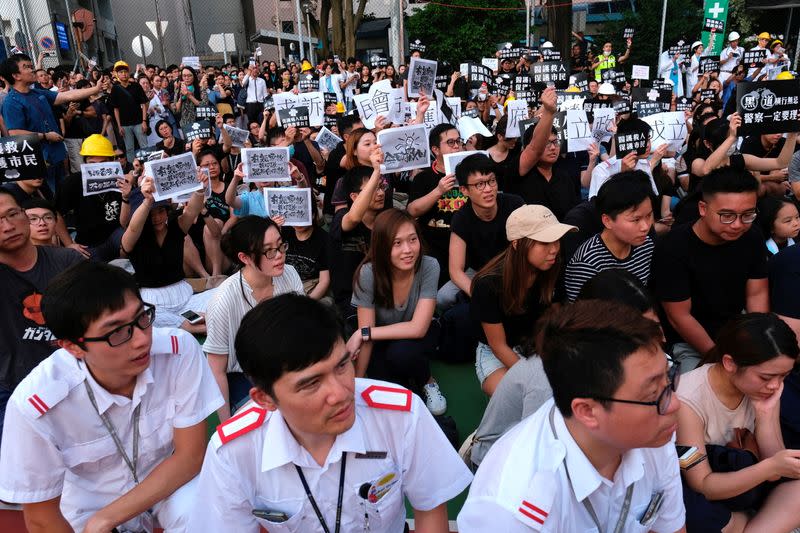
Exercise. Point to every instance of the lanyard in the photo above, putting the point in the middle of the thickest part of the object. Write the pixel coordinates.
(626, 505)
(314, 502)
(113, 432)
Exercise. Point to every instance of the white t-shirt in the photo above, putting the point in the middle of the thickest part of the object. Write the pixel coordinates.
(612, 166)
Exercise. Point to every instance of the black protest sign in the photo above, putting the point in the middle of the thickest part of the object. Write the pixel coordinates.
(768, 106)
(197, 130)
(708, 94)
(563, 96)
(205, 111)
(509, 51)
(416, 46)
(623, 106)
(297, 117)
(551, 72)
(470, 113)
(661, 96)
(478, 75)
(581, 81)
(681, 47)
(754, 58)
(628, 33)
(330, 99)
(378, 61)
(635, 141)
(443, 73)
(143, 154)
(645, 109)
(21, 158)
(551, 54)
(560, 126)
(521, 82)
(307, 83)
(709, 64)
(525, 124)
(713, 25)
(613, 76)
(590, 104)
(682, 103)
(269, 102)
(660, 84)
(329, 121)
(529, 96)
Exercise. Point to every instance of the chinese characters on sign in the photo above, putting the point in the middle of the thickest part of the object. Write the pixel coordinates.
(768, 106)
(174, 176)
(292, 203)
(266, 164)
(21, 158)
(100, 177)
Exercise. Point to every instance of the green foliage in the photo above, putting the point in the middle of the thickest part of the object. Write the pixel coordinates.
(684, 21)
(456, 35)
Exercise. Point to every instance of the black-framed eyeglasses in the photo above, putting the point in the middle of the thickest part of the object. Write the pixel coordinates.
(746, 218)
(47, 218)
(270, 253)
(481, 185)
(453, 143)
(665, 398)
(124, 333)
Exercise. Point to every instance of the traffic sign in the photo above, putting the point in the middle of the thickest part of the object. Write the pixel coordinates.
(47, 43)
(142, 41)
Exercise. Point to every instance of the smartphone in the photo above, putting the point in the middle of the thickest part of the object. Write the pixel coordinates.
(192, 317)
(689, 456)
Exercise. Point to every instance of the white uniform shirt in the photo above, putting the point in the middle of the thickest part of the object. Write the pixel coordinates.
(729, 58)
(611, 166)
(233, 299)
(256, 89)
(397, 449)
(522, 485)
(55, 444)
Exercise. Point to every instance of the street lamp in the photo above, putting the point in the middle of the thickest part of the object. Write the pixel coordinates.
(308, 7)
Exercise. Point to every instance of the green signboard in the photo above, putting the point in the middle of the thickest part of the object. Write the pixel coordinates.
(715, 17)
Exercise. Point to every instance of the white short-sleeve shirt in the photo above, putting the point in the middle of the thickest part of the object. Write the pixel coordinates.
(393, 451)
(522, 485)
(611, 166)
(55, 443)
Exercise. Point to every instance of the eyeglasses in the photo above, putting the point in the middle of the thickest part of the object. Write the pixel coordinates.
(746, 218)
(382, 186)
(270, 253)
(124, 333)
(662, 402)
(453, 143)
(13, 215)
(554, 142)
(35, 219)
(481, 185)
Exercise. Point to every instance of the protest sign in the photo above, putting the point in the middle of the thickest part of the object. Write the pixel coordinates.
(469, 126)
(292, 203)
(314, 101)
(416, 45)
(404, 148)
(754, 58)
(454, 102)
(471, 113)
(603, 120)
(476, 74)
(525, 124)
(709, 64)
(21, 158)
(443, 73)
(269, 102)
(451, 161)
(516, 110)
(307, 83)
(378, 61)
(297, 117)
(382, 100)
(521, 82)
(627, 33)
(238, 136)
(98, 178)
(491, 62)
(622, 106)
(580, 80)
(149, 153)
(570, 100)
(614, 77)
(330, 99)
(682, 103)
(667, 128)
(197, 130)
(661, 85)
(640, 72)
(191, 61)
(329, 121)
(509, 51)
(174, 176)
(713, 25)
(327, 140)
(662, 97)
(205, 111)
(551, 73)
(266, 164)
(421, 77)
(592, 104)
(645, 109)
(560, 125)
(681, 47)
(551, 54)
(768, 106)
(635, 141)
(708, 94)
(579, 132)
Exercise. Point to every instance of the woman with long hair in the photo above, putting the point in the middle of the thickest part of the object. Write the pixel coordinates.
(514, 288)
(358, 148)
(730, 410)
(780, 222)
(395, 294)
(188, 95)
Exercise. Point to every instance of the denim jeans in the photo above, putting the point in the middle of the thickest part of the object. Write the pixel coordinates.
(129, 133)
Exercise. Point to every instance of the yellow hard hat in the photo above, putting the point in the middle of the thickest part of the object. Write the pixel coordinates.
(776, 41)
(763, 35)
(572, 89)
(340, 107)
(785, 75)
(121, 64)
(98, 146)
(509, 98)
(306, 66)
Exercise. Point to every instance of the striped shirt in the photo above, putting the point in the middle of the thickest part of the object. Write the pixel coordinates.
(592, 257)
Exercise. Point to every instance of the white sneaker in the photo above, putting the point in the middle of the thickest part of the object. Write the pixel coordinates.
(434, 399)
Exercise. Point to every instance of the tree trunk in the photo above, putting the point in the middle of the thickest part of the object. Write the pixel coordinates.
(322, 34)
(337, 24)
(349, 29)
(559, 25)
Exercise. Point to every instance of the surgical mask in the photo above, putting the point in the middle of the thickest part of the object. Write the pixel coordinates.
(605, 53)
(291, 151)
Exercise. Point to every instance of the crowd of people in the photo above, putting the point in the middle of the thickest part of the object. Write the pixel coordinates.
(632, 316)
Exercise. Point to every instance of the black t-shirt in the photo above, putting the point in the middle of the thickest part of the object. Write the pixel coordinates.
(302, 154)
(25, 340)
(217, 207)
(308, 257)
(22, 196)
(560, 194)
(178, 147)
(436, 221)
(364, 86)
(485, 239)
(159, 266)
(332, 174)
(129, 101)
(486, 306)
(784, 282)
(348, 249)
(95, 217)
(714, 277)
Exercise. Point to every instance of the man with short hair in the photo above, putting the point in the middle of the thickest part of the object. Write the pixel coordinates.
(626, 211)
(129, 104)
(708, 272)
(730, 57)
(125, 437)
(599, 456)
(318, 450)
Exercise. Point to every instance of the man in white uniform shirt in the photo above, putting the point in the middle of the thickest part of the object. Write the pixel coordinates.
(599, 456)
(730, 57)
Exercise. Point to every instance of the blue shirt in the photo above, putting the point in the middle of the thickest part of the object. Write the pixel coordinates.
(252, 204)
(32, 111)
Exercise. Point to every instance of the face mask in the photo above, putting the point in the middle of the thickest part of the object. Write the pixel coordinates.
(291, 151)
(606, 53)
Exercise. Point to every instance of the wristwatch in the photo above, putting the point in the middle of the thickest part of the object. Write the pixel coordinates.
(366, 334)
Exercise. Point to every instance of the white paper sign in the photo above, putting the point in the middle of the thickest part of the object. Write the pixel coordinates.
(292, 203)
(191, 61)
(455, 104)
(100, 177)
(516, 110)
(641, 72)
(469, 126)
(404, 148)
(421, 77)
(668, 128)
(174, 176)
(579, 133)
(238, 136)
(382, 100)
(491, 62)
(327, 140)
(604, 117)
(266, 164)
(451, 161)
(315, 101)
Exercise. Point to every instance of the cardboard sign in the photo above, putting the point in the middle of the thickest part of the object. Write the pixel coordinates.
(292, 203)
(297, 117)
(667, 128)
(768, 106)
(491, 62)
(421, 77)
(314, 101)
(451, 161)
(404, 148)
(21, 158)
(713, 25)
(266, 164)
(516, 110)
(327, 140)
(627, 33)
(416, 45)
(631, 142)
(98, 178)
(754, 58)
(382, 100)
(205, 111)
(640, 72)
(551, 73)
(197, 130)
(579, 131)
(238, 136)
(174, 176)
(709, 64)
(603, 120)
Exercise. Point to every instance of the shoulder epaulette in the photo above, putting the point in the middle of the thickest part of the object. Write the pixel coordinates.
(393, 398)
(238, 425)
